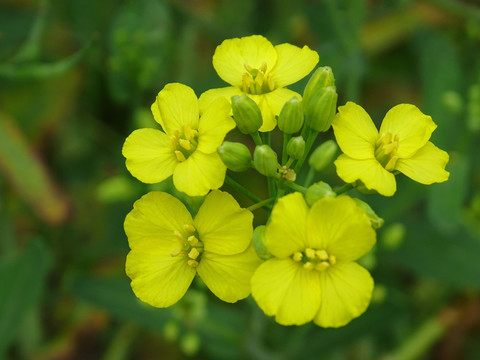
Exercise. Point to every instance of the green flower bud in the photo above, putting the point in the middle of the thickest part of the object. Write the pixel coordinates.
(290, 119)
(321, 78)
(393, 236)
(265, 160)
(258, 241)
(319, 113)
(318, 191)
(375, 220)
(246, 114)
(296, 147)
(235, 156)
(323, 155)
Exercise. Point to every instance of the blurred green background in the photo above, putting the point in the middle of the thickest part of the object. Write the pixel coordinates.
(77, 76)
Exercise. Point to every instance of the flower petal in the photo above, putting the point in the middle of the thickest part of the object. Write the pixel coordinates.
(228, 276)
(199, 173)
(426, 166)
(232, 54)
(214, 124)
(346, 293)
(158, 278)
(178, 106)
(223, 226)
(286, 232)
(271, 104)
(149, 155)
(284, 288)
(156, 216)
(340, 227)
(369, 171)
(413, 128)
(209, 96)
(355, 131)
(293, 64)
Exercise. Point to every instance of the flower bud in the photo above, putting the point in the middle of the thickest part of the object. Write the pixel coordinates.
(318, 191)
(265, 160)
(320, 111)
(375, 220)
(246, 114)
(321, 78)
(290, 119)
(296, 147)
(258, 241)
(323, 155)
(235, 156)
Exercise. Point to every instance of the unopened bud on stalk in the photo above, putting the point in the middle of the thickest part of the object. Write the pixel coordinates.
(258, 241)
(246, 114)
(290, 119)
(296, 147)
(321, 78)
(323, 155)
(265, 160)
(320, 111)
(318, 191)
(235, 156)
(375, 220)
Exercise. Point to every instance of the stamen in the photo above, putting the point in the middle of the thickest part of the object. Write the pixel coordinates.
(298, 256)
(310, 253)
(185, 144)
(189, 228)
(322, 266)
(332, 259)
(322, 254)
(180, 156)
(193, 254)
(192, 263)
(192, 240)
(179, 236)
(175, 252)
(308, 265)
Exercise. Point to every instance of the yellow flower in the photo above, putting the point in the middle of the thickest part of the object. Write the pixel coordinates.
(168, 248)
(401, 145)
(312, 275)
(253, 66)
(188, 146)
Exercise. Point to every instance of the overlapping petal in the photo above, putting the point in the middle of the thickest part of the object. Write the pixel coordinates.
(426, 166)
(228, 276)
(209, 96)
(346, 293)
(149, 155)
(224, 227)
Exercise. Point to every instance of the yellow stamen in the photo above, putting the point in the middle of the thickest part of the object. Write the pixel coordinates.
(332, 259)
(310, 253)
(175, 252)
(189, 228)
(297, 256)
(179, 236)
(189, 132)
(192, 240)
(185, 144)
(192, 263)
(308, 265)
(322, 254)
(193, 254)
(322, 266)
(180, 156)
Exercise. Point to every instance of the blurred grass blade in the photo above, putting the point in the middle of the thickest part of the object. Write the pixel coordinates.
(21, 282)
(28, 175)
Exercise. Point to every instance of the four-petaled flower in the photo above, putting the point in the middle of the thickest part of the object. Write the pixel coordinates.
(401, 144)
(188, 146)
(253, 66)
(168, 248)
(312, 275)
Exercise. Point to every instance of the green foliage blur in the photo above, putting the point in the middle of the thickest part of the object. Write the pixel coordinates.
(77, 76)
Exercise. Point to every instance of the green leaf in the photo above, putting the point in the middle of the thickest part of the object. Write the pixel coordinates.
(22, 279)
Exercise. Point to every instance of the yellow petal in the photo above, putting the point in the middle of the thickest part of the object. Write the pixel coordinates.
(346, 293)
(228, 276)
(156, 216)
(355, 131)
(413, 128)
(286, 231)
(293, 64)
(214, 124)
(209, 96)
(369, 171)
(149, 155)
(199, 173)
(231, 56)
(340, 227)
(158, 278)
(284, 288)
(223, 226)
(426, 166)
(178, 106)
(156, 114)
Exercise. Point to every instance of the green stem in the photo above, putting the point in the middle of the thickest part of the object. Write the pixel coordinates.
(271, 186)
(312, 136)
(296, 187)
(263, 203)
(341, 189)
(256, 138)
(310, 177)
(266, 138)
(240, 188)
(286, 139)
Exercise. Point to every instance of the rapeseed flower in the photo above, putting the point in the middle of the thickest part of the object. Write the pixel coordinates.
(187, 146)
(168, 248)
(312, 275)
(402, 144)
(253, 66)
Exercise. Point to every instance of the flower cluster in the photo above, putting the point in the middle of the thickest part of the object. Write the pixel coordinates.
(301, 266)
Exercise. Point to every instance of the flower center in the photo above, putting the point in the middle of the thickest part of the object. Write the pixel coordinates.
(190, 245)
(184, 144)
(255, 81)
(386, 149)
(313, 259)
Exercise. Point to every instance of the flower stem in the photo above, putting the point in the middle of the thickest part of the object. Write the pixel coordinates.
(312, 136)
(296, 187)
(263, 203)
(341, 189)
(310, 176)
(256, 138)
(240, 188)
(286, 138)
